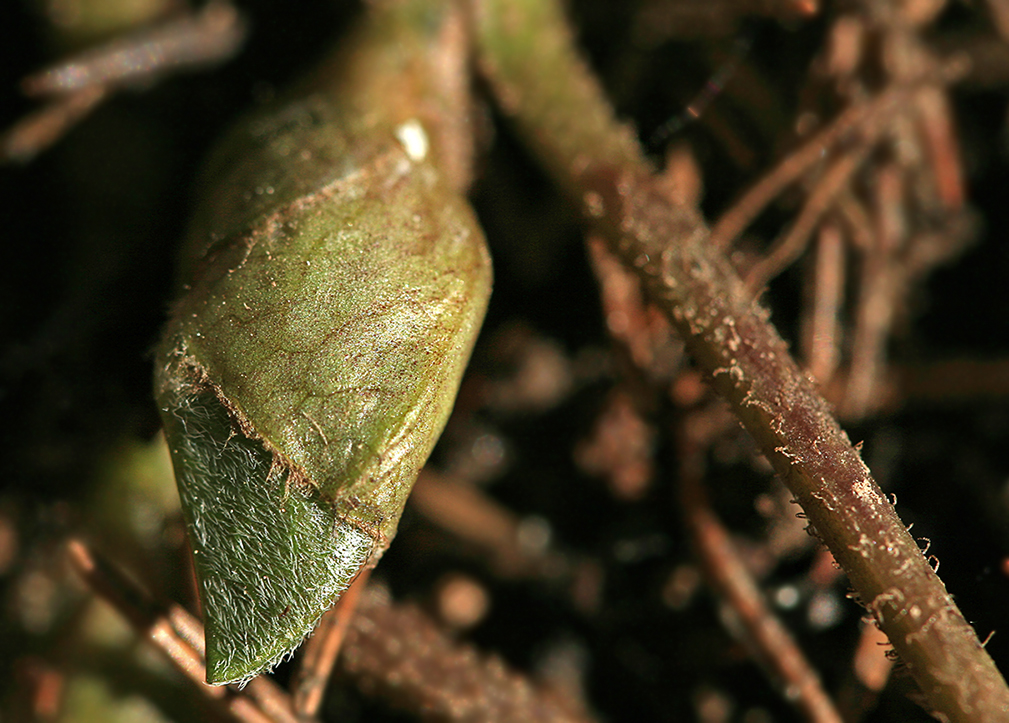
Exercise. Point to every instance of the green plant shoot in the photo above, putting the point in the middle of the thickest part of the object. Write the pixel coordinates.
(333, 283)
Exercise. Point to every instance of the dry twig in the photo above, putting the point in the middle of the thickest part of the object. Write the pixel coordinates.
(318, 656)
(397, 652)
(765, 635)
(80, 83)
(179, 636)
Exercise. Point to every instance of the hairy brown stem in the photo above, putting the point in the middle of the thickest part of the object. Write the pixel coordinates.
(529, 59)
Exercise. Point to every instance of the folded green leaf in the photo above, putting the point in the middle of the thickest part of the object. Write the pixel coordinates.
(334, 286)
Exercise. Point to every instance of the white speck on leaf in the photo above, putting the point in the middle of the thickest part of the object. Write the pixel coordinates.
(411, 134)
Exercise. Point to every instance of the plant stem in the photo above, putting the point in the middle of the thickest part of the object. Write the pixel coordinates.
(528, 56)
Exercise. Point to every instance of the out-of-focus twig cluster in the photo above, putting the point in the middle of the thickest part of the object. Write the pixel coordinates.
(883, 191)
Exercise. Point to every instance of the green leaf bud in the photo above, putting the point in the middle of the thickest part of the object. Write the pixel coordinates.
(333, 286)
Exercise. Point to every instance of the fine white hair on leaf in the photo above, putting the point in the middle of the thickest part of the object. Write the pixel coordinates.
(270, 559)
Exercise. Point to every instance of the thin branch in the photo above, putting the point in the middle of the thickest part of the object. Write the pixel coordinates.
(78, 84)
(565, 118)
(936, 121)
(881, 286)
(399, 653)
(797, 163)
(210, 36)
(870, 671)
(464, 511)
(172, 631)
(637, 326)
(765, 635)
(793, 243)
(822, 333)
(320, 651)
(42, 128)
